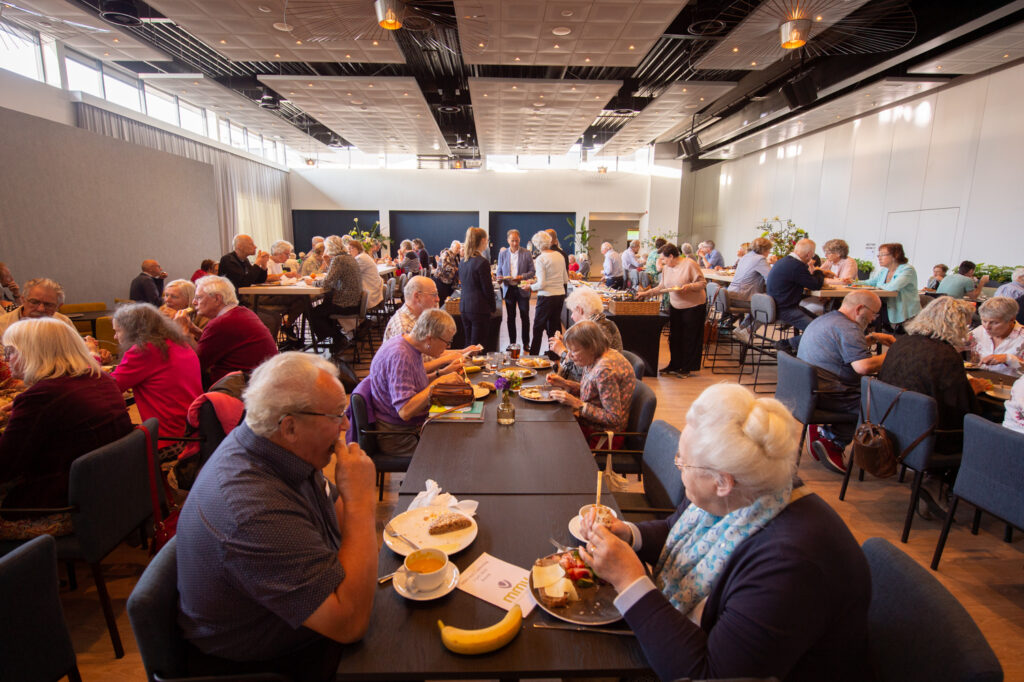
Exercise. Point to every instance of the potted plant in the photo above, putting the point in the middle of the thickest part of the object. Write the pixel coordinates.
(366, 237)
(864, 268)
(997, 274)
(782, 235)
(580, 236)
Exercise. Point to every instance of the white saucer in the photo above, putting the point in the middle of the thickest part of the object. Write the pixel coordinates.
(447, 586)
(576, 528)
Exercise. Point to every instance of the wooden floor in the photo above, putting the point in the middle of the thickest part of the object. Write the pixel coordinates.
(983, 572)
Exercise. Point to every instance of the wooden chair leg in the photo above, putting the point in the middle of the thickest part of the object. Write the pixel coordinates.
(846, 478)
(945, 533)
(74, 675)
(380, 486)
(72, 578)
(903, 472)
(108, 610)
(860, 476)
(915, 495)
(977, 521)
(1008, 534)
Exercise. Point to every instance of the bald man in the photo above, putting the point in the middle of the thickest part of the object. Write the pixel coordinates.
(786, 283)
(236, 266)
(836, 345)
(148, 285)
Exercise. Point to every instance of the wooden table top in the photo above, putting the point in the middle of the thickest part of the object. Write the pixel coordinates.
(404, 643)
(841, 292)
(277, 289)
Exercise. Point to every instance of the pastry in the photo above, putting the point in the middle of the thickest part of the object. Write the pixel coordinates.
(446, 522)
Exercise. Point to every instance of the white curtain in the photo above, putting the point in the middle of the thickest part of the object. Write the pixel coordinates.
(252, 198)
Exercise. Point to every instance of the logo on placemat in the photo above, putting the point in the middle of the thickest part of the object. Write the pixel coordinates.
(504, 584)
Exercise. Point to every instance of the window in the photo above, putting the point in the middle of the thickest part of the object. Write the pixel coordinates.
(269, 151)
(237, 136)
(84, 75)
(161, 105)
(19, 51)
(224, 131)
(191, 117)
(255, 142)
(51, 62)
(120, 91)
(211, 124)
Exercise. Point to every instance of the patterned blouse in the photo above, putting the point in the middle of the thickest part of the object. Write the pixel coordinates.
(344, 280)
(573, 372)
(983, 344)
(448, 267)
(606, 392)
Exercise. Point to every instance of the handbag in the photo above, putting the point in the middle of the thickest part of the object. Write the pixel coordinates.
(451, 395)
(163, 528)
(874, 448)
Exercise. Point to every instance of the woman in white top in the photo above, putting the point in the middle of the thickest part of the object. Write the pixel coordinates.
(999, 341)
(1014, 418)
(684, 282)
(373, 285)
(837, 259)
(552, 278)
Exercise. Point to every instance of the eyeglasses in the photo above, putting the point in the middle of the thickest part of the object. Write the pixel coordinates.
(679, 465)
(36, 303)
(339, 418)
(883, 253)
(447, 342)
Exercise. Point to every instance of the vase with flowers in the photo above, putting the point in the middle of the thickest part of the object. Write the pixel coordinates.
(507, 384)
(782, 234)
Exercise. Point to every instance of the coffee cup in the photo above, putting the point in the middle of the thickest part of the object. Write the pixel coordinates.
(605, 515)
(425, 569)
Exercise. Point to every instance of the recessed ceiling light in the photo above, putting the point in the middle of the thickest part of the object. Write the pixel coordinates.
(701, 99)
(117, 40)
(1006, 56)
(587, 59)
(376, 43)
(223, 42)
(195, 82)
(516, 59)
(574, 88)
(567, 12)
(277, 56)
(106, 54)
(556, 46)
(684, 89)
(938, 68)
(348, 56)
(405, 94)
(283, 26)
(310, 84)
(479, 44)
(561, 30)
(348, 94)
(485, 94)
(370, 85)
(735, 49)
(753, 63)
(632, 47)
(291, 93)
(542, 96)
(818, 18)
(515, 87)
(298, 42)
(263, 8)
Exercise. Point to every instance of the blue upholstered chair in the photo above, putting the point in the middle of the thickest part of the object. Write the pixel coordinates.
(153, 611)
(917, 630)
(991, 477)
(641, 412)
(915, 414)
(663, 487)
(33, 635)
(797, 389)
(639, 366)
(108, 496)
(366, 436)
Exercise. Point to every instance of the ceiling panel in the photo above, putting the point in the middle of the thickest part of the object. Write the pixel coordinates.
(755, 44)
(243, 31)
(596, 33)
(535, 116)
(672, 109)
(227, 103)
(375, 114)
(81, 31)
(991, 51)
(884, 93)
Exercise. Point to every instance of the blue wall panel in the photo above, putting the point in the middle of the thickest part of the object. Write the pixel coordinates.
(437, 229)
(528, 224)
(308, 224)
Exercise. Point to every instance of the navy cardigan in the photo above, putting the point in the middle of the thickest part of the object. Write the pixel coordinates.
(788, 279)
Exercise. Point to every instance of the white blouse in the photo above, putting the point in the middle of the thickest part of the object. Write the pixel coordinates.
(1013, 345)
(1014, 418)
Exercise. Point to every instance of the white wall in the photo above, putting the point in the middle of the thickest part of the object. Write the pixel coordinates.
(942, 175)
(485, 191)
(34, 98)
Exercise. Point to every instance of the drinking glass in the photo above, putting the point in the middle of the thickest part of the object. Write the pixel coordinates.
(514, 350)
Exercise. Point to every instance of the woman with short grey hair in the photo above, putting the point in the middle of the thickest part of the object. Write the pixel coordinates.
(584, 304)
(552, 278)
(838, 261)
(999, 340)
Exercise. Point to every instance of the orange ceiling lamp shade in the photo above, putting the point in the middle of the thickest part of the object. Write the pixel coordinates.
(794, 33)
(389, 14)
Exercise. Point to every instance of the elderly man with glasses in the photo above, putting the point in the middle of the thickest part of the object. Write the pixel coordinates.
(397, 391)
(42, 298)
(278, 563)
(836, 345)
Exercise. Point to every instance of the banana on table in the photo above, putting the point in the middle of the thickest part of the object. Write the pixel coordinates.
(483, 640)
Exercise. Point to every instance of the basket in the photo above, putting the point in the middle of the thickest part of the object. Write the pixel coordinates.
(452, 307)
(634, 307)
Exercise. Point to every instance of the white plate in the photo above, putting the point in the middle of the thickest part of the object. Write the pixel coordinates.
(414, 524)
(525, 373)
(447, 586)
(999, 392)
(538, 399)
(525, 363)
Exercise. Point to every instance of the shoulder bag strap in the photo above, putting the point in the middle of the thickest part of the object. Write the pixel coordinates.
(894, 401)
(917, 441)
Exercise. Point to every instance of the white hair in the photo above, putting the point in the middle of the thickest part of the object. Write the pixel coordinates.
(1018, 275)
(1000, 308)
(187, 288)
(334, 245)
(406, 244)
(45, 283)
(416, 284)
(729, 430)
(317, 240)
(456, 244)
(221, 286)
(48, 348)
(432, 323)
(708, 243)
(280, 386)
(280, 246)
(585, 298)
(542, 240)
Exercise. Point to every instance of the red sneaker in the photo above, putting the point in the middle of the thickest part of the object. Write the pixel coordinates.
(829, 454)
(813, 435)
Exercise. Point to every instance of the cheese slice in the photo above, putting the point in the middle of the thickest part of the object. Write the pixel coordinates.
(544, 576)
(560, 588)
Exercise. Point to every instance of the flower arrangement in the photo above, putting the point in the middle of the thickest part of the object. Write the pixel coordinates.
(782, 235)
(366, 237)
(508, 384)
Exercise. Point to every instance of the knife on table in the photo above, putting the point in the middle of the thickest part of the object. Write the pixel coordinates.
(579, 628)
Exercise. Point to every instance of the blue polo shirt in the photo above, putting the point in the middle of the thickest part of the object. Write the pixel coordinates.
(258, 542)
(834, 342)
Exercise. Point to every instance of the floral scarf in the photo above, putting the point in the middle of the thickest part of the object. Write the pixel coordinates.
(700, 544)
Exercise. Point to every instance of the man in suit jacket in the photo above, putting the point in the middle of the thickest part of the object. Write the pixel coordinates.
(148, 285)
(514, 265)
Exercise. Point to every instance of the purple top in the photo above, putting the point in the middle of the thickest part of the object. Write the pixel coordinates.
(396, 375)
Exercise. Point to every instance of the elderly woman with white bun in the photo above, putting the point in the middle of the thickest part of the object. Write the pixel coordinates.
(999, 341)
(752, 578)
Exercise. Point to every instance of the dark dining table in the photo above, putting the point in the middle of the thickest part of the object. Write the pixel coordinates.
(89, 316)
(404, 643)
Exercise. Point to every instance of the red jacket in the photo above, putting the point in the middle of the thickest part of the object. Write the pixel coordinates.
(234, 340)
